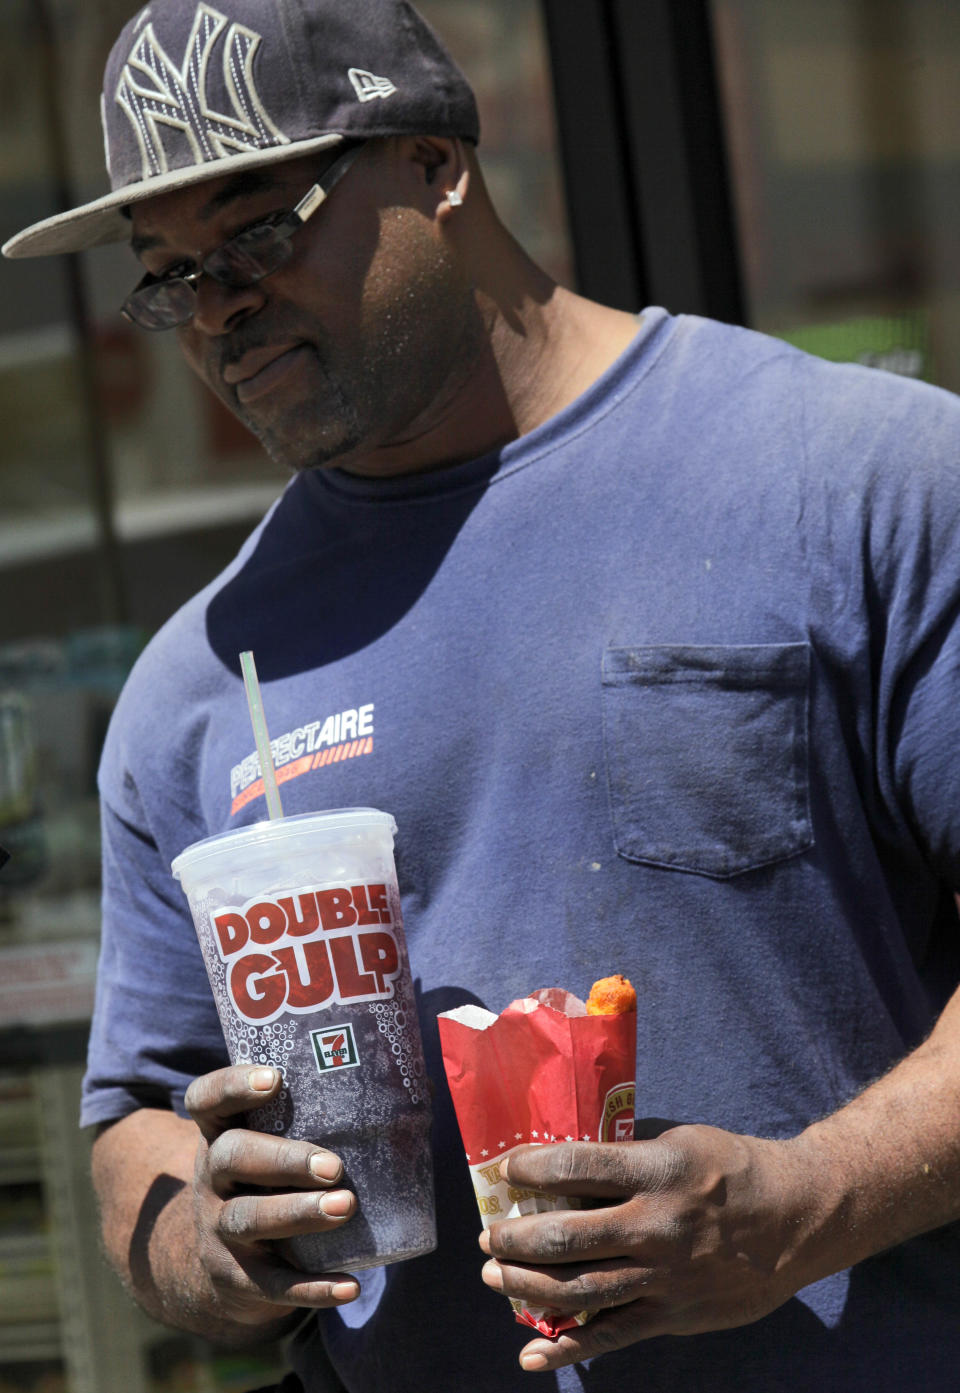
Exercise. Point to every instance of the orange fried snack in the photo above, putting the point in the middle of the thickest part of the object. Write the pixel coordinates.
(611, 996)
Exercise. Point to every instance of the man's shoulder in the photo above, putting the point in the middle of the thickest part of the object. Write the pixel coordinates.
(732, 348)
(168, 690)
(179, 665)
(174, 662)
(176, 681)
(863, 418)
(839, 384)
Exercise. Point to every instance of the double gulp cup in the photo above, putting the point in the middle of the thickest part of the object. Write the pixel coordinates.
(300, 927)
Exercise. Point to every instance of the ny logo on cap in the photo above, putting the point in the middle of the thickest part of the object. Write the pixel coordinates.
(155, 92)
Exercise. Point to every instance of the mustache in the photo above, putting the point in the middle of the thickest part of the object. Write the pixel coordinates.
(252, 335)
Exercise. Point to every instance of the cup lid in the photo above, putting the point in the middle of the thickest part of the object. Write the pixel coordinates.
(257, 834)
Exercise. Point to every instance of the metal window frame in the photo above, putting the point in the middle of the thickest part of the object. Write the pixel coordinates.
(644, 155)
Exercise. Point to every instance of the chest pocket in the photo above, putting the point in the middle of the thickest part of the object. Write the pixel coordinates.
(706, 752)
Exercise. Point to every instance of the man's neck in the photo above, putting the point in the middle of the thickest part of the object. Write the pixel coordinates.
(566, 345)
(541, 347)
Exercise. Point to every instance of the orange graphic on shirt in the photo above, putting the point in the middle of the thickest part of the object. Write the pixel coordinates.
(333, 754)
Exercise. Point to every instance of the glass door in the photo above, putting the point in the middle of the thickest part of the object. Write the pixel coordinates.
(125, 487)
(843, 126)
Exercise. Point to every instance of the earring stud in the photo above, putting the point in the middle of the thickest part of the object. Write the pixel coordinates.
(454, 198)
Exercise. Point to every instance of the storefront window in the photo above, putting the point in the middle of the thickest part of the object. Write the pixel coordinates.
(843, 121)
(124, 488)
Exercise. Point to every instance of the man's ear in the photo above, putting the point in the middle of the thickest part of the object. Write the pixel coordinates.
(430, 159)
(444, 170)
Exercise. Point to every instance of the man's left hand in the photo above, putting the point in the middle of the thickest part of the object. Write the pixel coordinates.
(701, 1229)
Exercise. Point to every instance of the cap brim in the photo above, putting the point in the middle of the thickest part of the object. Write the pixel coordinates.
(100, 222)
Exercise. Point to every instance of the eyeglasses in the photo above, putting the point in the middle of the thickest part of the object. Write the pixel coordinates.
(164, 302)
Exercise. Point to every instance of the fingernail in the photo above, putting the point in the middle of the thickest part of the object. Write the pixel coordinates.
(484, 1241)
(337, 1204)
(326, 1166)
(262, 1079)
(345, 1291)
(533, 1363)
(491, 1274)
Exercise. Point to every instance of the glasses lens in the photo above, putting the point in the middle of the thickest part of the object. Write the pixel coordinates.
(161, 306)
(250, 256)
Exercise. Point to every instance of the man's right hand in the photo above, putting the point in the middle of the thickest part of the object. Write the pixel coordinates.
(191, 1217)
(251, 1189)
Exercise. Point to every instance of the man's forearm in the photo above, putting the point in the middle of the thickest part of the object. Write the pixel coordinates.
(888, 1164)
(142, 1171)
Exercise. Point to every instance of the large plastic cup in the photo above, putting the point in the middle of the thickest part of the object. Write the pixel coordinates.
(300, 927)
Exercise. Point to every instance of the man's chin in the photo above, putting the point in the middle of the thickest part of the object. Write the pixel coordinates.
(299, 450)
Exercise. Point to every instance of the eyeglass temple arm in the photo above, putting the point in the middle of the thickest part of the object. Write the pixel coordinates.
(313, 198)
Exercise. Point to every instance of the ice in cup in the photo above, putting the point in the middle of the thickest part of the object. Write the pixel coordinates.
(299, 923)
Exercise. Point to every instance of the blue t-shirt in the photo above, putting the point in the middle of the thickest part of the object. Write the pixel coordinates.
(669, 686)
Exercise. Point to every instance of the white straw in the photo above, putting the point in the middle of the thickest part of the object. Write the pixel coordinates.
(261, 735)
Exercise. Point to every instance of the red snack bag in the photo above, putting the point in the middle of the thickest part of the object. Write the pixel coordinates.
(542, 1071)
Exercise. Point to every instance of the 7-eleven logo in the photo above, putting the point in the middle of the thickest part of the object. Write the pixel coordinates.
(335, 1047)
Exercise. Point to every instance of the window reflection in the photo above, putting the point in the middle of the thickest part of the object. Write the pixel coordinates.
(844, 132)
(181, 483)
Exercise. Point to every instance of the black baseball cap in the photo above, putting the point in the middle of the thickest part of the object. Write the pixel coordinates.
(195, 90)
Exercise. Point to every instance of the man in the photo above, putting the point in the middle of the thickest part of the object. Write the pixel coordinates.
(658, 624)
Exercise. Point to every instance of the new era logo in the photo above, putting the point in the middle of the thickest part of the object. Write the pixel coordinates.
(334, 1048)
(368, 86)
